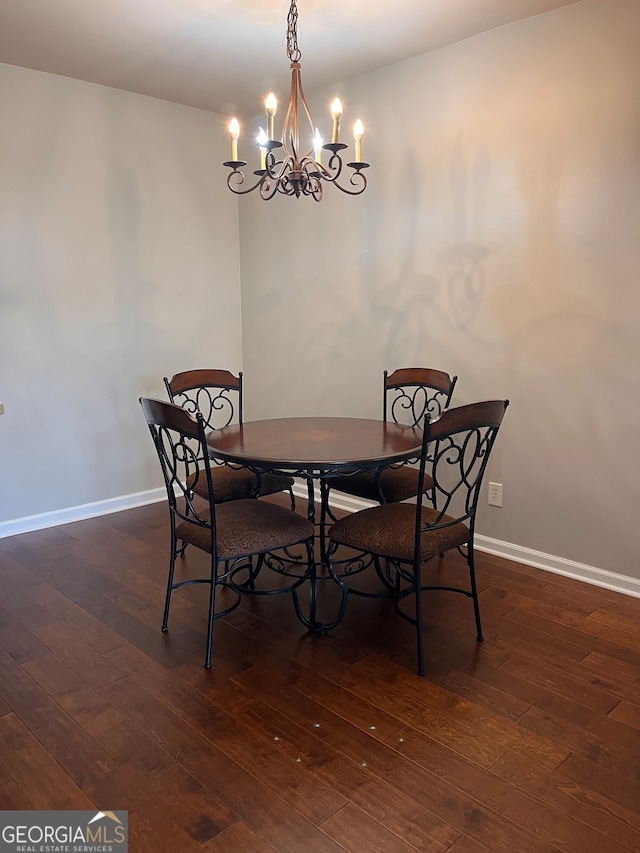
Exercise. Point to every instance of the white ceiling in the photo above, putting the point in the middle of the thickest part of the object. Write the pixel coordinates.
(224, 55)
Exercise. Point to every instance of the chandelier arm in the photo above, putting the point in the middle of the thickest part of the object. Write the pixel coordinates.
(352, 180)
(333, 170)
(263, 182)
(271, 164)
(315, 189)
(267, 188)
(239, 177)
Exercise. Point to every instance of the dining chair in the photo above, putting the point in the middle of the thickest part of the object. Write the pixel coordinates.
(409, 394)
(401, 537)
(231, 532)
(218, 396)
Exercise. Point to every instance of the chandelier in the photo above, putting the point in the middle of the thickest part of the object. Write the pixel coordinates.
(284, 166)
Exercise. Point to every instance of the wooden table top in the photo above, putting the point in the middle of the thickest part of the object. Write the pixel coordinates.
(315, 443)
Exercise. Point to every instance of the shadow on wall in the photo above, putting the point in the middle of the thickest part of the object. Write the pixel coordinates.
(466, 284)
(533, 318)
(453, 303)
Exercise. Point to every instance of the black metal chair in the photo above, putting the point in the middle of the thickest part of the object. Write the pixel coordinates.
(409, 394)
(402, 537)
(232, 532)
(217, 395)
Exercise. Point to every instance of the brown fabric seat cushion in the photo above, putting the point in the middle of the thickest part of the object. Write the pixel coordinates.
(389, 530)
(397, 484)
(246, 527)
(232, 484)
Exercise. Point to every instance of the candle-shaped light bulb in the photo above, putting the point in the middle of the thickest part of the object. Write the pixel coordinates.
(262, 139)
(317, 146)
(234, 133)
(271, 106)
(336, 115)
(358, 133)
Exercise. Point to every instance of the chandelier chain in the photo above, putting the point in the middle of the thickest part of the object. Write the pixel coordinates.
(293, 51)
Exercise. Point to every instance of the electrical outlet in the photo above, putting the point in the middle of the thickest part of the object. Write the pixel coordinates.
(495, 494)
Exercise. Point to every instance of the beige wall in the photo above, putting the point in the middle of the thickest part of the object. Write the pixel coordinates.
(499, 240)
(118, 264)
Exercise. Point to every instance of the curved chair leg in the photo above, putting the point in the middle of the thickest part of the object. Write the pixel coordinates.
(179, 549)
(333, 547)
(244, 564)
(253, 573)
(385, 575)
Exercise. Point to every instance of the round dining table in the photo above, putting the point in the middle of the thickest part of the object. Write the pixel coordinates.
(314, 448)
(315, 444)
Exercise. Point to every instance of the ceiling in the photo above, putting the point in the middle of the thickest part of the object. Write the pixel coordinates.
(224, 55)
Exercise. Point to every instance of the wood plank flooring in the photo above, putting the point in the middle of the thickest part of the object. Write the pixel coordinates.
(299, 743)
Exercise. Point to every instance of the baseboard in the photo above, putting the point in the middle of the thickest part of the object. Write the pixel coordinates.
(537, 559)
(78, 513)
(560, 566)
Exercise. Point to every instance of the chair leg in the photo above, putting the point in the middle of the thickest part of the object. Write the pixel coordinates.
(212, 607)
(474, 591)
(292, 499)
(333, 547)
(253, 573)
(385, 575)
(419, 627)
(172, 565)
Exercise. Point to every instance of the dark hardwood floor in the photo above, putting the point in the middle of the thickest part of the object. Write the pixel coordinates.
(297, 743)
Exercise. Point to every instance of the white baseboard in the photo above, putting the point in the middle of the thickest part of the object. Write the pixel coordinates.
(78, 513)
(557, 565)
(560, 566)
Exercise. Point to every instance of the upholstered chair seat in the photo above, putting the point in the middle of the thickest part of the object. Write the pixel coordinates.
(232, 484)
(247, 527)
(390, 486)
(390, 531)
